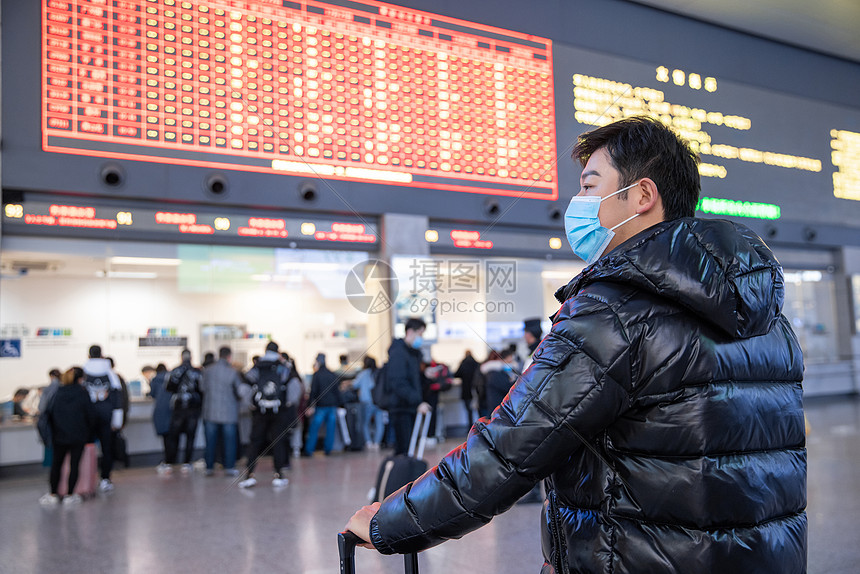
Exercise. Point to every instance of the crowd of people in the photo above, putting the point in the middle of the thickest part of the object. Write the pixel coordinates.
(287, 414)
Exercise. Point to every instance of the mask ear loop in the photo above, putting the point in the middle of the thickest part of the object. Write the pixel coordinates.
(634, 216)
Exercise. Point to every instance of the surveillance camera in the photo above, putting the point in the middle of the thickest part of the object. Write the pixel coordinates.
(492, 208)
(112, 175)
(216, 184)
(307, 191)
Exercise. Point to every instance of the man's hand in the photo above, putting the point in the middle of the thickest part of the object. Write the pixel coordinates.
(424, 408)
(359, 524)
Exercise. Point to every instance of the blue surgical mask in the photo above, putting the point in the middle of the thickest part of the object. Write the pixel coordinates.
(586, 236)
(417, 342)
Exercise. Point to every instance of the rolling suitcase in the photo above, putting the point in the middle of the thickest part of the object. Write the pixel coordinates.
(354, 426)
(346, 543)
(344, 428)
(401, 469)
(88, 474)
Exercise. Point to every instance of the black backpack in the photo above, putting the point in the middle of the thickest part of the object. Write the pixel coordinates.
(269, 389)
(98, 386)
(381, 393)
(187, 393)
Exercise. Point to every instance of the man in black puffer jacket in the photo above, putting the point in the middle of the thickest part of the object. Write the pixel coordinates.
(664, 408)
(404, 383)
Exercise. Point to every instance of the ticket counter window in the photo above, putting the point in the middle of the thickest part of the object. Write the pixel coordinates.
(810, 306)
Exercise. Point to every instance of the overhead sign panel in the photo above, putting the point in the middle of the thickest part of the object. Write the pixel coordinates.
(361, 91)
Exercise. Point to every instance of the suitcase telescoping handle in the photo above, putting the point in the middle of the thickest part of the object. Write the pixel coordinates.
(346, 543)
(419, 435)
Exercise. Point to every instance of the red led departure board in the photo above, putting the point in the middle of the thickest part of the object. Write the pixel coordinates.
(134, 221)
(342, 89)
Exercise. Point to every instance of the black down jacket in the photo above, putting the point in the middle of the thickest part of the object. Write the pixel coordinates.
(664, 411)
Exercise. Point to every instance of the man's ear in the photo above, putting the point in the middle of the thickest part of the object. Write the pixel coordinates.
(649, 197)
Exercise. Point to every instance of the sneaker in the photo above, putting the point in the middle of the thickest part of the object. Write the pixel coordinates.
(234, 472)
(49, 500)
(248, 482)
(208, 472)
(187, 468)
(163, 469)
(278, 482)
(105, 485)
(72, 500)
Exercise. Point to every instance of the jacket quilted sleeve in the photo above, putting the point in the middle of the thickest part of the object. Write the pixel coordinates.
(575, 387)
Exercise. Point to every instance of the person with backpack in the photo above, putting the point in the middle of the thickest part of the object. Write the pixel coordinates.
(186, 405)
(365, 383)
(105, 392)
(324, 400)
(403, 383)
(271, 414)
(68, 419)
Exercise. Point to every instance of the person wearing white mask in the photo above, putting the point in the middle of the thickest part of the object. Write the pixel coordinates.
(404, 381)
(663, 411)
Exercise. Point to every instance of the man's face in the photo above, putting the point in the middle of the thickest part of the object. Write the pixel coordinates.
(411, 334)
(600, 178)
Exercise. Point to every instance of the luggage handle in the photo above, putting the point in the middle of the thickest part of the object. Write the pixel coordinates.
(346, 543)
(422, 425)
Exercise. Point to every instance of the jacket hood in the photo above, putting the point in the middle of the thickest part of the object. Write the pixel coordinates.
(100, 367)
(96, 367)
(494, 365)
(717, 269)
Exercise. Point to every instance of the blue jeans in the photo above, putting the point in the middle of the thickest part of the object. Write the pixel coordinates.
(228, 435)
(329, 416)
(368, 411)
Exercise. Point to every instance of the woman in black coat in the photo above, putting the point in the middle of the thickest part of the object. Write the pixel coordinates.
(70, 415)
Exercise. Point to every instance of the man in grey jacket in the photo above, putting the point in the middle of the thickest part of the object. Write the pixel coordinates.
(222, 390)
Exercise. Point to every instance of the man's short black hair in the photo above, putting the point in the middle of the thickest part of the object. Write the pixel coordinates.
(415, 324)
(224, 353)
(95, 352)
(272, 346)
(643, 147)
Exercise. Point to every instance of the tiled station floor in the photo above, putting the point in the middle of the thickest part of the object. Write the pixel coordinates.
(192, 523)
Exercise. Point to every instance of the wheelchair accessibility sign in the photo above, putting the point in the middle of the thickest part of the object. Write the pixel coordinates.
(10, 348)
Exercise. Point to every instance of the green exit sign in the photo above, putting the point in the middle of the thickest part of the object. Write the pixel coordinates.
(719, 206)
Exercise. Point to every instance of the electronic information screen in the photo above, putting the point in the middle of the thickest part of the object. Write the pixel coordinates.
(764, 154)
(360, 91)
(182, 223)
